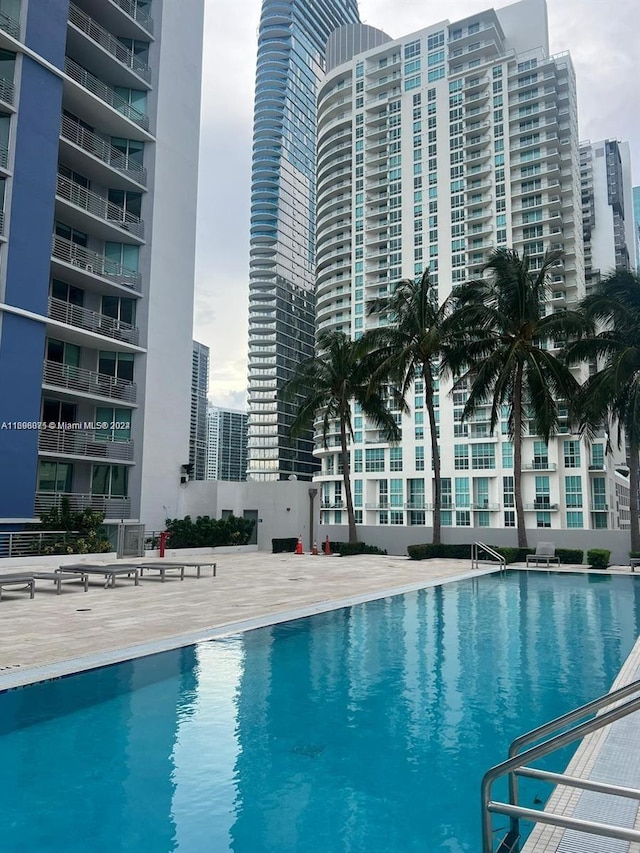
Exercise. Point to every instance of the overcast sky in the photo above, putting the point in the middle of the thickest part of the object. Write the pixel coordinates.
(602, 36)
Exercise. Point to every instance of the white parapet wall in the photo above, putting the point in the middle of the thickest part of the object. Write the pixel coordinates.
(283, 507)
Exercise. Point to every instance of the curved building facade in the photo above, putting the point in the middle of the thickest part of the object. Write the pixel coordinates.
(291, 45)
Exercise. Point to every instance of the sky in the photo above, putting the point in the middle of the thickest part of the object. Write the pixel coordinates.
(603, 37)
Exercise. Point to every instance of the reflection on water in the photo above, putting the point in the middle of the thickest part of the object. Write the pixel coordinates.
(364, 729)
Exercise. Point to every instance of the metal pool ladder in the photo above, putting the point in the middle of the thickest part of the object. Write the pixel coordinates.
(515, 766)
(477, 547)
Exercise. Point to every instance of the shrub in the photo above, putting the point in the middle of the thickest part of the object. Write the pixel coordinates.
(634, 555)
(598, 558)
(207, 532)
(284, 546)
(83, 534)
(349, 549)
(568, 556)
(429, 551)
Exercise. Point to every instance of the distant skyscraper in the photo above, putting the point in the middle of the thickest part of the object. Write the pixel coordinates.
(198, 426)
(636, 224)
(607, 208)
(226, 444)
(290, 63)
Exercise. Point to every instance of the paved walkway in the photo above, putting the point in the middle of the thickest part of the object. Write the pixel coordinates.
(58, 629)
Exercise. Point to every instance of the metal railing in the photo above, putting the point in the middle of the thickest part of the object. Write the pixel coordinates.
(7, 91)
(91, 262)
(92, 321)
(103, 37)
(98, 205)
(9, 25)
(31, 543)
(76, 442)
(88, 381)
(94, 85)
(112, 507)
(76, 133)
(130, 7)
(516, 765)
(478, 547)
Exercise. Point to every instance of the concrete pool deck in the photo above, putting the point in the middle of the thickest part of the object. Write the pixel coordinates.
(54, 635)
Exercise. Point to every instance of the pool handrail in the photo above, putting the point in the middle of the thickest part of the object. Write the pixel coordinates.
(516, 765)
(476, 547)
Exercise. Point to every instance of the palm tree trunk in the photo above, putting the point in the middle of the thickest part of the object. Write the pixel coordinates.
(633, 497)
(517, 457)
(435, 455)
(346, 476)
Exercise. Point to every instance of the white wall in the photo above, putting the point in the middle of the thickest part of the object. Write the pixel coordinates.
(283, 506)
(173, 180)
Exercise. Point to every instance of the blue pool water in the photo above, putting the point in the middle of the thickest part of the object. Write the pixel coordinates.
(362, 730)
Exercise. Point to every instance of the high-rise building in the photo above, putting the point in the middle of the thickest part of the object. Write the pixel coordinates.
(199, 403)
(607, 208)
(433, 150)
(99, 121)
(226, 444)
(636, 225)
(291, 44)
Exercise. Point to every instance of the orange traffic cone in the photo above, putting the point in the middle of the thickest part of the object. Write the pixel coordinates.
(327, 547)
(299, 546)
(314, 550)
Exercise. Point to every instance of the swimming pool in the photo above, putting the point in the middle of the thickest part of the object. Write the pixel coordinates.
(361, 729)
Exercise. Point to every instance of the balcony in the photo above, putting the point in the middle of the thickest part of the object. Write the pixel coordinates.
(9, 25)
(97, 147)
(7, 91)
(485, 506)
(105, 94)
(85, 443)
(103, 38)
(600, 507)
(540, 465)
(597, 466)
(88, 382)
(541, 505)
(97, 205)
(112, 507)
(92, 321)
(95, 264)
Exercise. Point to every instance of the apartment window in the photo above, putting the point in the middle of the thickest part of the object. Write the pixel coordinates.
(397, 516)
(120, 308)
(571, 454)
(395, 493)
(540, 455)
(419, 458)
(436, 74)
(395, 459)
(116, 364)
(435, 40)
(574, 519)
(374, 459)
(55, 477)
(543, 491)
(122, 254)
(110, 480)
(463, 497)
(445, 492)
(510, 518)
(508, 491)
(357, 460)
(543, 519)
(463, 518)
(412, 49)
(412, 83)
(597, 456)
(416, 493)
(67, 292)
(116, 424)
(573, 491)
(483, 456)
(78, 238)
(507, 454)
(357, 493)
(599, 488)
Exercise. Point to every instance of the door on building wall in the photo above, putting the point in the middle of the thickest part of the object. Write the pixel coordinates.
(252, 515)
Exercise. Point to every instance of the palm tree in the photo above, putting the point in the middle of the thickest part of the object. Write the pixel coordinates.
(505, 330)
(613, 393)
(411, 346)
(326, 383)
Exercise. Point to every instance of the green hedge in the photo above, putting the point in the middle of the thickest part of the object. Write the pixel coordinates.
(284, 546)
(349, 549)
(429, 551)
(598, 558)
(569, 556)
(206, 532)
